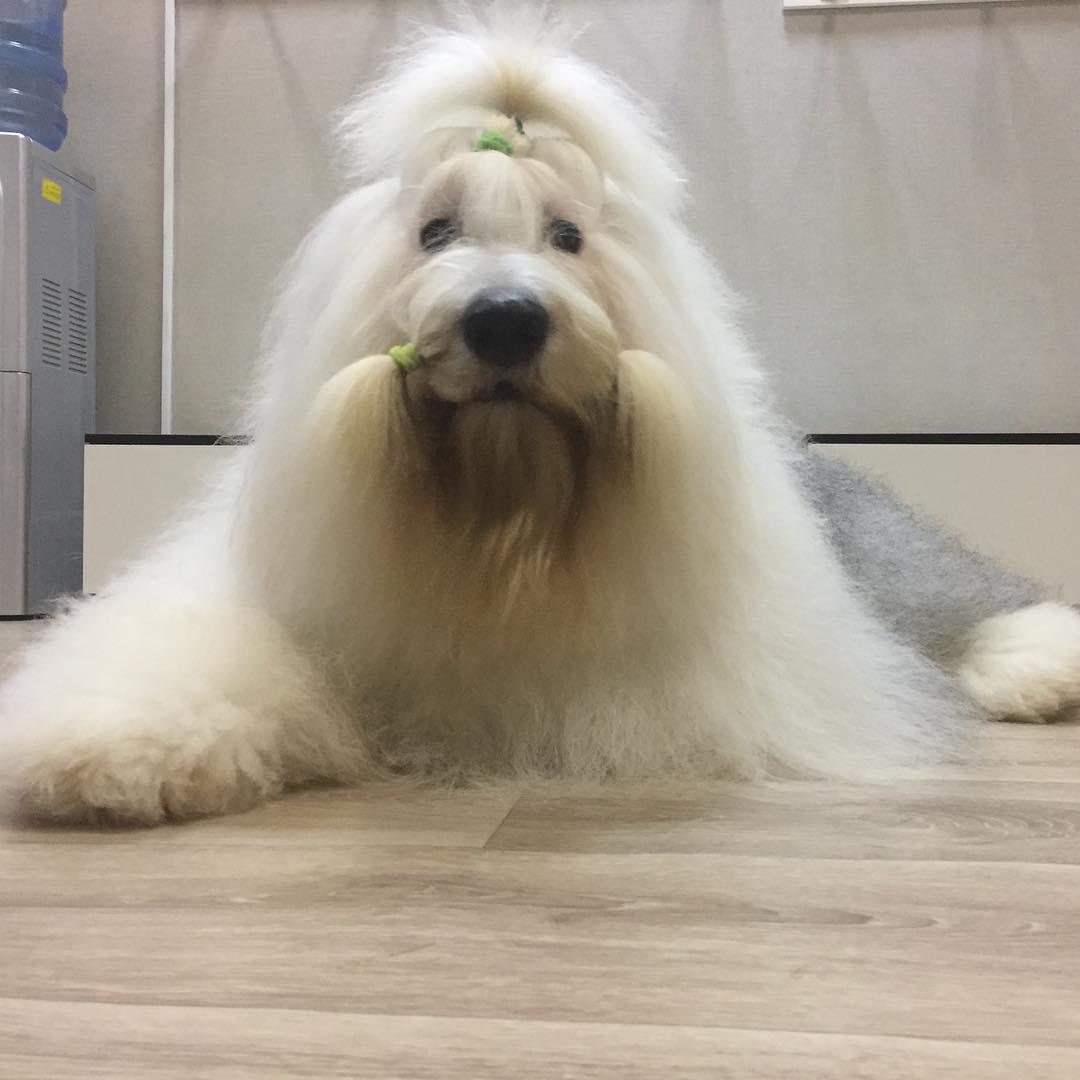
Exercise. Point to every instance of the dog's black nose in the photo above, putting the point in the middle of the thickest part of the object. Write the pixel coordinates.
(505, 326)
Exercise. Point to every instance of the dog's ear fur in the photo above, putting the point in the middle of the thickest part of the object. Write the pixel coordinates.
(514, 63)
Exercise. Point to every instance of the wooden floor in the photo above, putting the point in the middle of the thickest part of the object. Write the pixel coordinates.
(772, 932)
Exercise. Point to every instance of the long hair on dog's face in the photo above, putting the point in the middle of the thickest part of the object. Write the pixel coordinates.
(516, 392)
(509, 460)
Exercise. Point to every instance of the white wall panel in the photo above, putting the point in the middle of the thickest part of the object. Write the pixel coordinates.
(1017, 503)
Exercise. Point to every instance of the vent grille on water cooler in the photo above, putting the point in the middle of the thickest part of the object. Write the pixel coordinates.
(52, 323)
(78, 328)
(65, 328)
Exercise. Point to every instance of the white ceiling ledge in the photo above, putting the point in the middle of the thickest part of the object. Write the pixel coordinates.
(865, 5)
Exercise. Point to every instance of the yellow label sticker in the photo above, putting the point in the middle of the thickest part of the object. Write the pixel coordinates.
(52, 191)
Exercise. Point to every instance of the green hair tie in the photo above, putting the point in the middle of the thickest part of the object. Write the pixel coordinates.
(492, 140)
(405, 356)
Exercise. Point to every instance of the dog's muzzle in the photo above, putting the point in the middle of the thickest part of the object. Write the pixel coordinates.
(505, 327)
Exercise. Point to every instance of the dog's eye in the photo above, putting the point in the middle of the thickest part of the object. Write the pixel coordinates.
(437, 234)
(564, 235)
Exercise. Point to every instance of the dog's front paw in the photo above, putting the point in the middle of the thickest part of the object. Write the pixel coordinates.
(101, 760)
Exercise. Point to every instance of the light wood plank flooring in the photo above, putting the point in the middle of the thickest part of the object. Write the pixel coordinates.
(928, 929)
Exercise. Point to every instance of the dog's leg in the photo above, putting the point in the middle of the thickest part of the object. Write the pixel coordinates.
(1016, 653)
(165, 698)
(136, 708)
(1025, 665)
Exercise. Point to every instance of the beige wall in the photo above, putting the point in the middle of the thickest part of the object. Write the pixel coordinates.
(896, 193)
(258, 84)
(113, 52)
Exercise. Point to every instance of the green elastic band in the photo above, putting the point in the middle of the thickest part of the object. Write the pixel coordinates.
(492, 140)
(405, 356)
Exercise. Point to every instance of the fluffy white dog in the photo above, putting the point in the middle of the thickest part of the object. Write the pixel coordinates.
(562, 533)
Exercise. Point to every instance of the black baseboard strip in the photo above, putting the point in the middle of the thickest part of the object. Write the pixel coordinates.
(1034, 438)
(166, 440)
(1044, 438)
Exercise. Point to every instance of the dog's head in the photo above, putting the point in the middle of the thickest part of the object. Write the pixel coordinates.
(511, 296)
(517, 227)
(527, 191)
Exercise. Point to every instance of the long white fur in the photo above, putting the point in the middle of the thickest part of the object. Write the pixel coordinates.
(622, 578)
(1022, 665)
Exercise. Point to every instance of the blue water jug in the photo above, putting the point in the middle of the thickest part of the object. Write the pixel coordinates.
(32, 75)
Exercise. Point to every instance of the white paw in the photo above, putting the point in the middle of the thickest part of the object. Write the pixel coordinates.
(135, 709)
(112, 760)
(1025, 665)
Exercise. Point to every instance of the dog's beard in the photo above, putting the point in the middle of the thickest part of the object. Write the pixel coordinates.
(487, 489)
(510, 477)
(495, 509)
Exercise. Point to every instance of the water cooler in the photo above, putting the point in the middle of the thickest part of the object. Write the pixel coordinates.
(46, 373)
